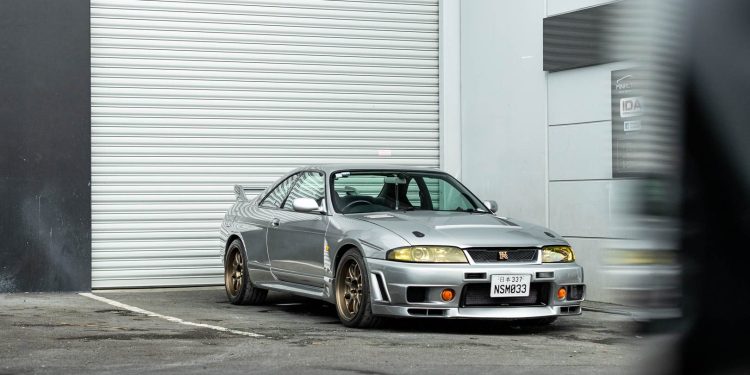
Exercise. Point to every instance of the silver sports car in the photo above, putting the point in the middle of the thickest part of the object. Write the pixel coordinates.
(394, 241)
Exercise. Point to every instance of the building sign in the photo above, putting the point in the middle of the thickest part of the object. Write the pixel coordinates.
(627, 122)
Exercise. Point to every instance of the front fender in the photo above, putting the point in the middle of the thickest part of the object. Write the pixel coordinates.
(372, 240)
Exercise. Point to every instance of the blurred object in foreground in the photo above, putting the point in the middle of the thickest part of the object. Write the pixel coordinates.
(716, 188)
(641, 266)
(687, 206)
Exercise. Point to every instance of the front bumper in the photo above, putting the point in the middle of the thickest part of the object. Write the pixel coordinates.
(393, 283)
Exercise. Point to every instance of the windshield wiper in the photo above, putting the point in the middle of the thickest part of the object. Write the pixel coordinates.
(471, 210)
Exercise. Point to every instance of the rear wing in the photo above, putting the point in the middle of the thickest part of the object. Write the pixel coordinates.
(239, 193)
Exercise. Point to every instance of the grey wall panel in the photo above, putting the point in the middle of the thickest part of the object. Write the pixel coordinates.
(556, 7)
(581, 95)
(590, 208)
(580, 208)
(192, 97)
(580, 151)
(45, 140)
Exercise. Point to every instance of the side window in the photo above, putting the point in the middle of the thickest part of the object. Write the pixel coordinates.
(309, 185)
(451, 199)
(445, 197)
(277, 195)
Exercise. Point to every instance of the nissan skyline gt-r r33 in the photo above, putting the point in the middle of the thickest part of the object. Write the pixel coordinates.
(381, 241)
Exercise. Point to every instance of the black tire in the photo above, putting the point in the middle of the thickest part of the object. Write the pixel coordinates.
(362, 317)
(240, 290)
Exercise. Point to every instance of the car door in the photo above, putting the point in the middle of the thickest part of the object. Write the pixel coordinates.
(260, 218)
(296, 239)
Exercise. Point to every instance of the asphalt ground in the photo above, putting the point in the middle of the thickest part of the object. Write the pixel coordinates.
(195, 330)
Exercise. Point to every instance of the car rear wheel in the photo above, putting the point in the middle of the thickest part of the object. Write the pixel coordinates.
(240, 290)
(353, 302)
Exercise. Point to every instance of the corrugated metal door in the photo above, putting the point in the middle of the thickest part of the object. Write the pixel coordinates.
(191, 97)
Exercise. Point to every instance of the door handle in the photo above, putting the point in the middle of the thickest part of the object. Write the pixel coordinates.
(275, 222)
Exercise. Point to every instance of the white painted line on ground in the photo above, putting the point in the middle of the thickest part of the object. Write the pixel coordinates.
(165, 317)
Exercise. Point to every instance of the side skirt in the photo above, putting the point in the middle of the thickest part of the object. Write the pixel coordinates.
(298, 289)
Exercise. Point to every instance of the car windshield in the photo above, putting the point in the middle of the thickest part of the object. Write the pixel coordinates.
(378, 191)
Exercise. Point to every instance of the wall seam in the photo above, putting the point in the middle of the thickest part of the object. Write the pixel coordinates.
(546, 129)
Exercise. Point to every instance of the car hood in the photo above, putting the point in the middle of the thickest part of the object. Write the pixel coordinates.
(461, 229)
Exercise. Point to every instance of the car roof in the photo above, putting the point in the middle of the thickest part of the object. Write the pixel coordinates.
(330, 168)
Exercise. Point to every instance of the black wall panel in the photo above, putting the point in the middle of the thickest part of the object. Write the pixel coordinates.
(578, 39)
(45, 143)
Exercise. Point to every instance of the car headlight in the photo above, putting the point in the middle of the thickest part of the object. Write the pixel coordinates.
(557, 254)
(427, 254)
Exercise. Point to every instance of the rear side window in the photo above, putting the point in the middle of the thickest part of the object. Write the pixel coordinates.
(277, 195)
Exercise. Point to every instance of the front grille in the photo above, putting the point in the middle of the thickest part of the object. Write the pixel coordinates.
(493, 255)
(479, 295)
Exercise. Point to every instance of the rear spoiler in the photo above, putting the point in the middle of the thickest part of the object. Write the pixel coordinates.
(239, 192)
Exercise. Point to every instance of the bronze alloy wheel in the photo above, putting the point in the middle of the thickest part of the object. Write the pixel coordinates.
(349, 289)
(352, 288)
(239, 288)
(233, 272)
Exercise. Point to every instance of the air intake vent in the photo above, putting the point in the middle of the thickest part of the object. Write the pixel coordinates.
(500, 255)
(427, 312)
(475, 276)
(416, 294)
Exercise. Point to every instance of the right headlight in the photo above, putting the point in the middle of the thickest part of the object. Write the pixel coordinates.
(427, 254)
(557, 254)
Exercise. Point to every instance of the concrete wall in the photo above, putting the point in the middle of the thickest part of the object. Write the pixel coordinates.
(503, 119)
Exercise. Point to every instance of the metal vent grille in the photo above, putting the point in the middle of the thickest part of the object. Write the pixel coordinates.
(493, 255)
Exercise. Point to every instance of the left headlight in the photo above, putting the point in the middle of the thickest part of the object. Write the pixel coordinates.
(557, 254)
(427, 254)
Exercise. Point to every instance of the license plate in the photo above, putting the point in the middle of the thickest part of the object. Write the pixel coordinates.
(510, 285)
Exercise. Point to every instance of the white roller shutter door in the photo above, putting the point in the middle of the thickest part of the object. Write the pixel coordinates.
(192, 97)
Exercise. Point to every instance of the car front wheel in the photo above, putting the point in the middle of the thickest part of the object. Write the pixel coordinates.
(353, 292)
(240, 290)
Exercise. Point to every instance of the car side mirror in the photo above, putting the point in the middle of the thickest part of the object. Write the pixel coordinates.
(491, 205)
(306, 205)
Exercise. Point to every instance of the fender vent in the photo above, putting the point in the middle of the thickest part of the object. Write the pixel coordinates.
(381, 287)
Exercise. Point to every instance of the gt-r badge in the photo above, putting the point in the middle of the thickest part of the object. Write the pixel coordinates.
(502, 255)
